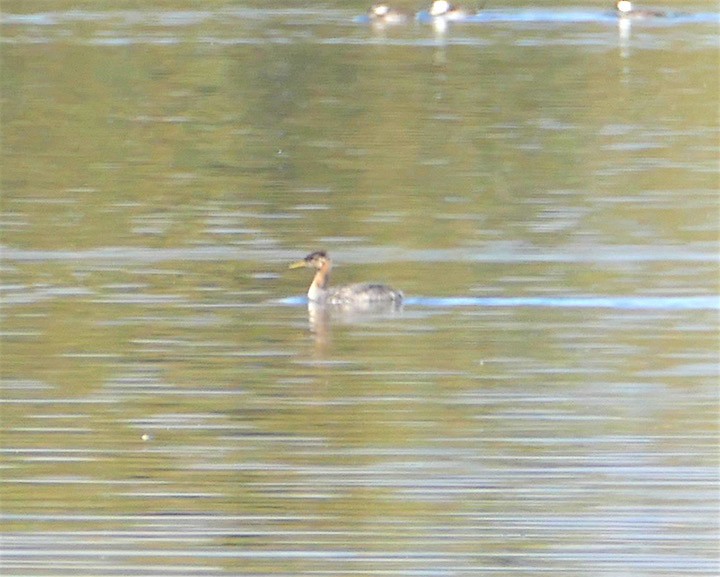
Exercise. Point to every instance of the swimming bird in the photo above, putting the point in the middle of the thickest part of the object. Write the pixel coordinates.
(625, 9)
(448, 11)
(381, 13)
(360, 295)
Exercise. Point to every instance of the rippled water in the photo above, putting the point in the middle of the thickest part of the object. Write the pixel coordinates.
(542, 185)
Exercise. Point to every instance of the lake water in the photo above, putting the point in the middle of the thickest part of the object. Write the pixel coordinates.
(541, 183)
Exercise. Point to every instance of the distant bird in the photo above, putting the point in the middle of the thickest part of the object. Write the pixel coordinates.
(446, 10)
(625, 9)
(360, 295)
(381, 13)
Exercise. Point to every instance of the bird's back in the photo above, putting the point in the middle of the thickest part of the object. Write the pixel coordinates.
(363, 294)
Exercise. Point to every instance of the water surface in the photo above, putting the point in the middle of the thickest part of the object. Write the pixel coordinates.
(544, 190)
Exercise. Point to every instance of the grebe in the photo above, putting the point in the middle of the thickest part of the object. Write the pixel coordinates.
(360, 295)
(624, 9)
(446, 10)
(381, 13)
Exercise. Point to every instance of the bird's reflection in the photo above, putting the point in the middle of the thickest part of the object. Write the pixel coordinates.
(322, 317)
(624, 32)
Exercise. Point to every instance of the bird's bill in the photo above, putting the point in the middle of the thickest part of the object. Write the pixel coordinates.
(298, 264)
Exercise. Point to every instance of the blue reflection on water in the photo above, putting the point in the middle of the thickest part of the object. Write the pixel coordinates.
(189, 17)
(626, 303)
(571, 16)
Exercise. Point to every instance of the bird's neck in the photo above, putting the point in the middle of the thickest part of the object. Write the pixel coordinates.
(320, 283)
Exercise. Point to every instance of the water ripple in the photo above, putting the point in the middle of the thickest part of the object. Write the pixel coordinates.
(619, 303)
